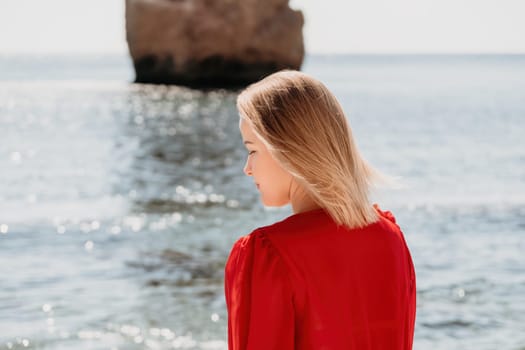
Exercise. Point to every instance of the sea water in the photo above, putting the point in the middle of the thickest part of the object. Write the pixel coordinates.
(119, 202)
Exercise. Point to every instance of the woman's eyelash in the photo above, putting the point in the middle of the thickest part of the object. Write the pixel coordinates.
(251, 152)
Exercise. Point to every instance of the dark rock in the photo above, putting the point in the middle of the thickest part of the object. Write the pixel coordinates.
(205, 43)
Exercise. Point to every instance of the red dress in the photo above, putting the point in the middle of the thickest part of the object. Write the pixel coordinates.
(303, 283)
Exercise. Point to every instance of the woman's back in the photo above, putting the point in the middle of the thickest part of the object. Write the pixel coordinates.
(309, 281)
(305, 283)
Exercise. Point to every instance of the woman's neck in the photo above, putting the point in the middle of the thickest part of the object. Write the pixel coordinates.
(305, 203)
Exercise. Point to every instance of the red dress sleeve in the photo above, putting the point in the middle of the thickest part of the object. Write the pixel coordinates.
(259, 298)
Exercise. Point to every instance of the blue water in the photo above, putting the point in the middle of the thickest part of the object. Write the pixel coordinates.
(119, 202)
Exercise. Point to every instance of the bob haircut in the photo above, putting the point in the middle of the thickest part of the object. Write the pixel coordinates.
(305, 130)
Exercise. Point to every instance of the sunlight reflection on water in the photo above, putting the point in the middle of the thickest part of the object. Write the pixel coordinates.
(119, 203)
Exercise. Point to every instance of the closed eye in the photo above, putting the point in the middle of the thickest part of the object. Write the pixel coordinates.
(251, 152)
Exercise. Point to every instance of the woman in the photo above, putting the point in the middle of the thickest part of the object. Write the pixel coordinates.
(337, 273)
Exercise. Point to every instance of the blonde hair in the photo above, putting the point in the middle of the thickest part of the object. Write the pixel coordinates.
(304, 128)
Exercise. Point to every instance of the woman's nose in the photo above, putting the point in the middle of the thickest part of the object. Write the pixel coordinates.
(248, 168)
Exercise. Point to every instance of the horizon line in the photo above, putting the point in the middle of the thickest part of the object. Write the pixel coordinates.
(318, 53)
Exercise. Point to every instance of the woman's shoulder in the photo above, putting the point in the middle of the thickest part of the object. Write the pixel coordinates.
(261, 235)
(388, 222)
(254, 256)
(386, 214)
(247, 243)
(307, 230)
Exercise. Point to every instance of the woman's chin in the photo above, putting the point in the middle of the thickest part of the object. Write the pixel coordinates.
(274, 203)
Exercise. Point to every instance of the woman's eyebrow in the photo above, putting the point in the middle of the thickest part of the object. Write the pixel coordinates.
(246, 142)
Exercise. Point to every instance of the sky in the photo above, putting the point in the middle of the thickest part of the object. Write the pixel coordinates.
(331, 26)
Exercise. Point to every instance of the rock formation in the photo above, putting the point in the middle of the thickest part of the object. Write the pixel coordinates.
(212, 43)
